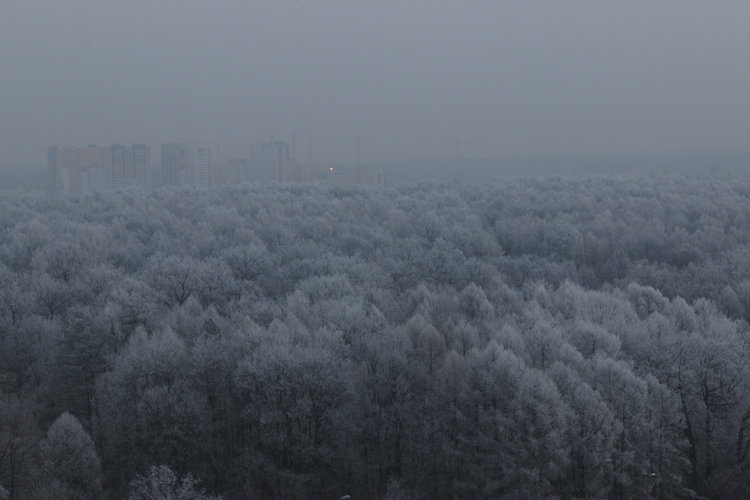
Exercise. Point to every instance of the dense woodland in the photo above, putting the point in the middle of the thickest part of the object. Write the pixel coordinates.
(530, 338)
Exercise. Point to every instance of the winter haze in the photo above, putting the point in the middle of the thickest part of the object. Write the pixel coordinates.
(511, 78)
(374, 250)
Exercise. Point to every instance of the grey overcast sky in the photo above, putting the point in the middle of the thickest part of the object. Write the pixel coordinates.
(519, 77)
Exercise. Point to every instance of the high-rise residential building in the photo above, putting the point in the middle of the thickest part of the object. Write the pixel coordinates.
(82, 170)
(237, 171)
(128, 165)
(199, 161)
(65, 168)
(269, 161)
(173, 166)
(191, 163)
(53, 169)
(119, 162)
(140, 158)
(93, 169)
(69, 164)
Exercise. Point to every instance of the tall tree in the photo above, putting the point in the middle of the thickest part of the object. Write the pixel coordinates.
(70, 465)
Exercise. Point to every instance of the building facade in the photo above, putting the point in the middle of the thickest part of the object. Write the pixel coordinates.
(237, 171)
(173, 166)
(199, 162)
(187, 164)
(269, 161)
(73, 169)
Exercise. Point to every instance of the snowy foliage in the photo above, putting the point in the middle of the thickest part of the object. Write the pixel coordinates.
(538, 338)
(161, 483)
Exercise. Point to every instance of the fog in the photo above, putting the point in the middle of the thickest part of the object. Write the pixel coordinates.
(382, 250)
(509, 78)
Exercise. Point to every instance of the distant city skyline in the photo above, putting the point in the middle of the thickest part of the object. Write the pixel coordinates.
(510, 78)
(86, 169)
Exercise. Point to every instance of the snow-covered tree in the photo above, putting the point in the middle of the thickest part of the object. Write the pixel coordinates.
(70, 466)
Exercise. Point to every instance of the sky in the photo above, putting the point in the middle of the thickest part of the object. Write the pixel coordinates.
(508, 78)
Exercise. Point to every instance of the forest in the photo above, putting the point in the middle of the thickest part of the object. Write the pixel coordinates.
(551, 338)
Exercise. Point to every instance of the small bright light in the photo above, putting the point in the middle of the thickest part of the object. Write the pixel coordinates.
(331, 169)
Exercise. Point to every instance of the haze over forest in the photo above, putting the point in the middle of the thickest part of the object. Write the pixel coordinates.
(392, 250)
(511, 79)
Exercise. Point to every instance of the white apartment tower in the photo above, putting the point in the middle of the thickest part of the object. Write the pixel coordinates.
(199, 164)
(269, 161)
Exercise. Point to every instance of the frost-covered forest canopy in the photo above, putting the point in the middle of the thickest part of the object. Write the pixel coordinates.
(528, 338)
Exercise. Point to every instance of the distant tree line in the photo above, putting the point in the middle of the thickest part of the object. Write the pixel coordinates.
(577, 338)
